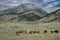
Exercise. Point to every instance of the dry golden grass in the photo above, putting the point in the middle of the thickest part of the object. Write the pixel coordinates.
(8, 30)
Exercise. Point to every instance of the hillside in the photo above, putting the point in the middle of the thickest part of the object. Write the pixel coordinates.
(29, 12)
(53, 16)
(26, 11)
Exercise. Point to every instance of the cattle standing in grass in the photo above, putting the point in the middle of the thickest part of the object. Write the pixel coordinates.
(18, 32)
(21, 32)
(34, 32)
(54, 31)
(45, 31)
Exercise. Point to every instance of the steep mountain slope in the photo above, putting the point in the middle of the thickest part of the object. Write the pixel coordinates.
(54, 16)
(26, 11)
(22, 8)
(32, 15)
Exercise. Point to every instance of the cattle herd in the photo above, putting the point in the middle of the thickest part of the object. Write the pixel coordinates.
(35, 32)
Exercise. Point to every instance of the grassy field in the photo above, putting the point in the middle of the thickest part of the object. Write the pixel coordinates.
(8, 30)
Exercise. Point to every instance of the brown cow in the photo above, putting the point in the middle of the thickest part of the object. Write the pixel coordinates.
(45, 31)
(18, 32)
(34, 32)
(21, 32)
